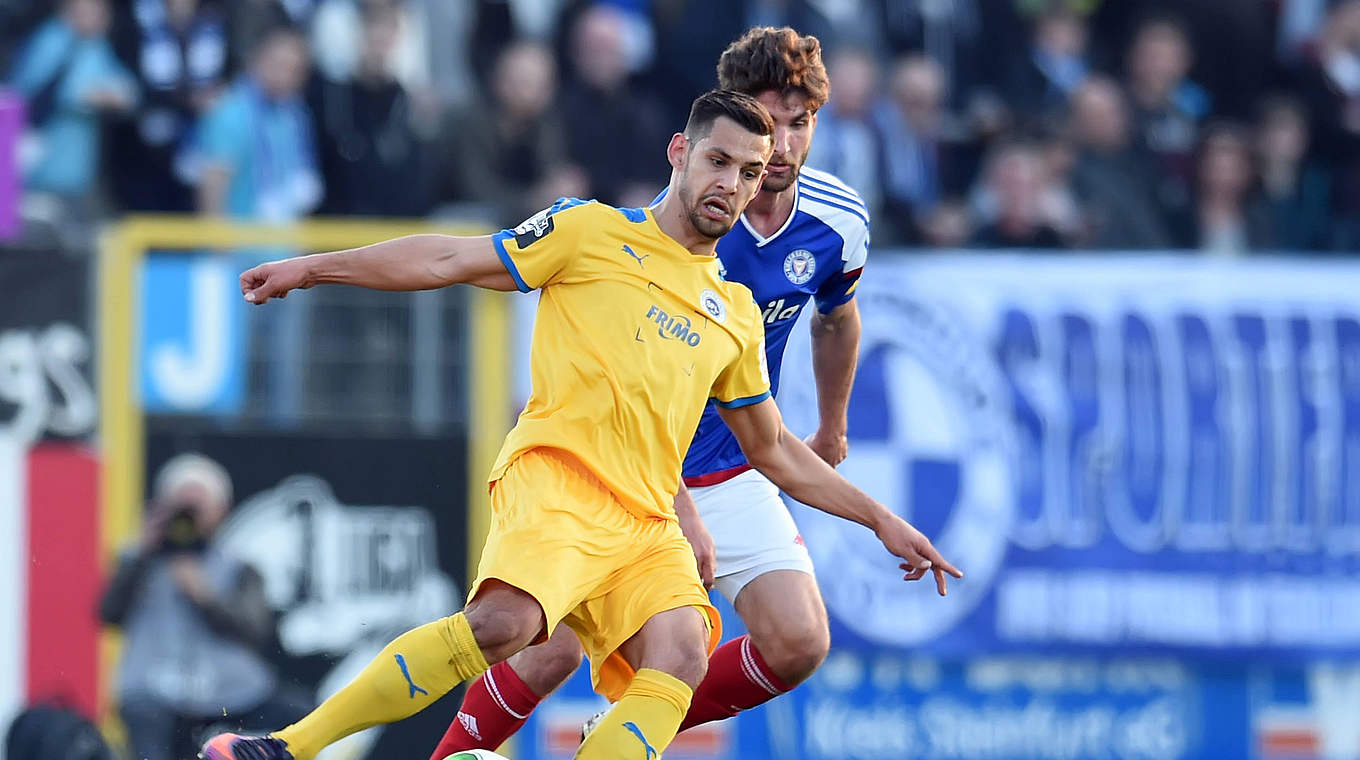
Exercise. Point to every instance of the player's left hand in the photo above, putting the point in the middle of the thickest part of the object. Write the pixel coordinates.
(900, 538)
(831, 446)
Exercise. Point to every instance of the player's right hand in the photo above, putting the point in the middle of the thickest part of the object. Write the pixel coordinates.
(900, 538)
(700, 540)
(273, 280)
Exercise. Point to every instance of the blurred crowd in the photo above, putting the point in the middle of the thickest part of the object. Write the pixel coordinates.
(1221, 125)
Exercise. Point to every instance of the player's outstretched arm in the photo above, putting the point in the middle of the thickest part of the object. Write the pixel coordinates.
(414, 262)
(802, 474)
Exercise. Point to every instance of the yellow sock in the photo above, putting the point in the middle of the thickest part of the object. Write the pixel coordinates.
(643, 723)
(417, 668)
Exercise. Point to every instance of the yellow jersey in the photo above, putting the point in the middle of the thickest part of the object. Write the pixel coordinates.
(632, 336)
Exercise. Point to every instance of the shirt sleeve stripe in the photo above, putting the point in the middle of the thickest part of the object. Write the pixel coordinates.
(498, 240)
(738, 403)
(830, 180)
(816, 196)
(832, 190)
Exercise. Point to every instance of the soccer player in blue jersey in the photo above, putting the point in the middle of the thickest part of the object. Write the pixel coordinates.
(805, 235)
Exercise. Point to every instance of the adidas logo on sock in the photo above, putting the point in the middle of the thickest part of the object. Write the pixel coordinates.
(470, 725)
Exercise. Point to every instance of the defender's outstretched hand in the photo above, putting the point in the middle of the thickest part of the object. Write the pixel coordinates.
(274, 279)
(802, 474)
(900, 538)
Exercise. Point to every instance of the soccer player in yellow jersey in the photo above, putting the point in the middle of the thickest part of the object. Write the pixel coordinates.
(636, 330)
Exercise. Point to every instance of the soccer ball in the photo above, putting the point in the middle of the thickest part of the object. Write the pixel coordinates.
(476, 754)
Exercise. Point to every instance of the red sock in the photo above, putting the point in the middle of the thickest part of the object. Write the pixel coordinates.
(493, 709)
(738, 679)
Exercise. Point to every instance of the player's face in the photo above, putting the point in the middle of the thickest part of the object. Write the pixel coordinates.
(793, 126)
(722, 173)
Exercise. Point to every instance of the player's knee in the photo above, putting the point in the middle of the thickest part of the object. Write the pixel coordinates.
(684, 657)
(558, 663)
(503, 625)
(796, 651)
(689, 663)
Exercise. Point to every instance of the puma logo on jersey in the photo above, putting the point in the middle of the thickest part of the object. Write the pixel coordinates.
(776, 312)
(639, 259)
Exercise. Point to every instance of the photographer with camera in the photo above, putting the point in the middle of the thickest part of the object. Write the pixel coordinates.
(195, 620)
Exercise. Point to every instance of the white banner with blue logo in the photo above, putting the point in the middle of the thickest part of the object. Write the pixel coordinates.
(1134, 454)
(1149, 470)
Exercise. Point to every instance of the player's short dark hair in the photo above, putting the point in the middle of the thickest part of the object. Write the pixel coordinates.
(741, 108)
(782, 60)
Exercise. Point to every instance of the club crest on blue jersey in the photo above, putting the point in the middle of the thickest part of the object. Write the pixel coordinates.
(799, 266)
(713, 305)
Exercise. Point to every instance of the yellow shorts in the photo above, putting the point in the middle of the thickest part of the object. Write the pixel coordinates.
(560, 535)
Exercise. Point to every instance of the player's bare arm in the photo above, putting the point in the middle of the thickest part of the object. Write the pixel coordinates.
(414, 262)
(799, 472)
(835, 352)
(705, 552)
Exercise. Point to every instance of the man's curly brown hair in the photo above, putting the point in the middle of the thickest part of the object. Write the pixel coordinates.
(766, 58)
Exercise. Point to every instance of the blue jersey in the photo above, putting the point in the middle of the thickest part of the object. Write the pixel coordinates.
(818, 253)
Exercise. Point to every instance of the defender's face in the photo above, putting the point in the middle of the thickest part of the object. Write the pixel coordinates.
(722, 173)
(793, 127)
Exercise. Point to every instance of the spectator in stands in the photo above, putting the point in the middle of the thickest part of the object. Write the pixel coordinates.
(1167, 107)
(612, 128)
(1297, 26)
(1113, 185)
(1330, 86)
(255, 156)
(1231, 40)
(951, 34)
(18, 18)
(339, 34)
(249, 22)
(1014, 189)
(178, 49)
(1039, 84)
(511, 154)
(848, 142)
(1058, 201)
(1224, 220)
(370, 156)
(195, 621)
(911, 122)
(692, 34)
(1294, 189)
(948, 225)
(70, 77)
